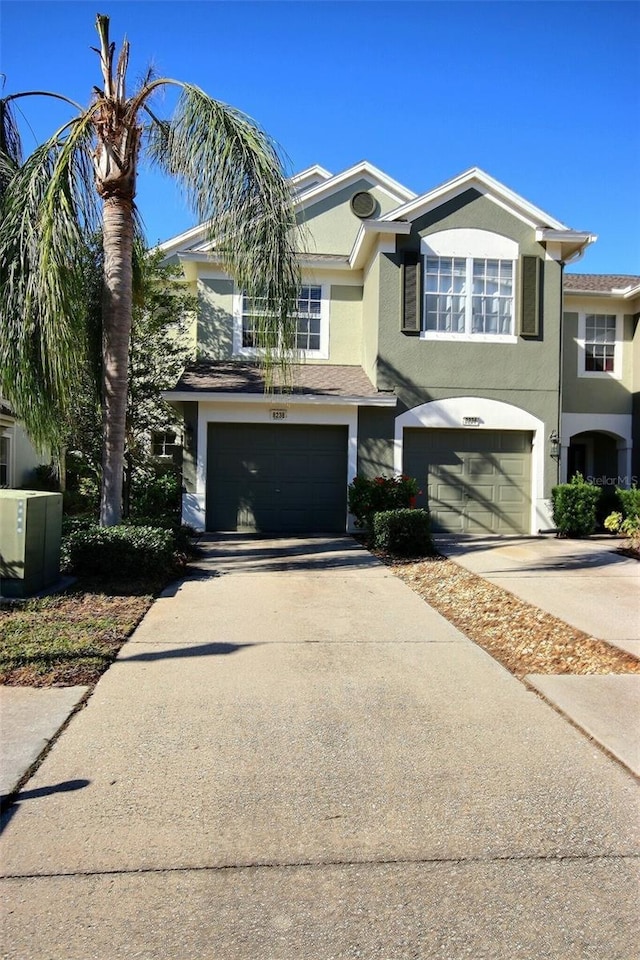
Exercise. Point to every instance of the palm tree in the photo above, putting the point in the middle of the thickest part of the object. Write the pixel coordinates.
(83, 179)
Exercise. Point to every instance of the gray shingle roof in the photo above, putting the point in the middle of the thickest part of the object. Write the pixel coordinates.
(599, 282)
(310, 379)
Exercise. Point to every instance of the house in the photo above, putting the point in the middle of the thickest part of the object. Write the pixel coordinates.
(438, 336)
(18, 457)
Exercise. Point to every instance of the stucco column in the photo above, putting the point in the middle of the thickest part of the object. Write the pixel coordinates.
(624, 464)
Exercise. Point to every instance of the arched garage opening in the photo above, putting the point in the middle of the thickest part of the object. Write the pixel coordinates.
(479, 462)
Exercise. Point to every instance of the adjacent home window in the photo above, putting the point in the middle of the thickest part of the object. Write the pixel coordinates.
(599, 344)
(469, 296)
(4, 461)
(312, 331)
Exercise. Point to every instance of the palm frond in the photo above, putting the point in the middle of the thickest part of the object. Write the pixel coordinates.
(49, 211)
(10, 145)
(233, 177)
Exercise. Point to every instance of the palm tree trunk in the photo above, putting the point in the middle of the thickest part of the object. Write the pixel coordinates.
(116, 328)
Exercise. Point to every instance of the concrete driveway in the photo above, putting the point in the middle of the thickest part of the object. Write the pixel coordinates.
(295, 757)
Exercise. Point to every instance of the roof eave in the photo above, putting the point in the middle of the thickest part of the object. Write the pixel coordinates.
(313, 399)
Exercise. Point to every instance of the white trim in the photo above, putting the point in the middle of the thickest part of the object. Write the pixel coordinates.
(469, 242)
(361, 170)
(616, 373)
(194, 504)
(617, 424)
(367, 234)
(475, 177)
(469, 337)
(297, 399)
(449, 414)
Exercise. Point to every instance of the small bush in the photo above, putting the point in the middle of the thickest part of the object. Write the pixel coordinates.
(629, 501)
(156, 493)
(613, 522)
(574, 507)
(368, 497)
(120, 553)
(403, 533)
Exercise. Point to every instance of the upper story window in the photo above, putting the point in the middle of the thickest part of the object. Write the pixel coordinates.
(469, 286)
(599, 345)
(469, 296)
(312, 322)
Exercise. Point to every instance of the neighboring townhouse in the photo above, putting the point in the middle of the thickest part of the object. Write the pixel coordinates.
(430, 341)
(601, 379)
(18, 457)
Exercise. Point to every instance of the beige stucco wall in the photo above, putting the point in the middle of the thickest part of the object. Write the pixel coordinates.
(600, 394)
(329, 226)
(215, 319)
(345, 324)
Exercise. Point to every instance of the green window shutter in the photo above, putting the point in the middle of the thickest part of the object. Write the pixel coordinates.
(530, 296)
(411, 292)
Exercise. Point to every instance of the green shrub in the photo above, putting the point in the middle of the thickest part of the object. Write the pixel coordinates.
(156, 493)
(574, 507)
(403, 533)
(120, 553)
(607, 504)
(629, 501)
(370, 496)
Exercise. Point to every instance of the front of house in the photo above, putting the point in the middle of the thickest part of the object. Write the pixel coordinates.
(437, 335)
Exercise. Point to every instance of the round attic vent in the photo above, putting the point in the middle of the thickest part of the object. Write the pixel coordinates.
(363, 204)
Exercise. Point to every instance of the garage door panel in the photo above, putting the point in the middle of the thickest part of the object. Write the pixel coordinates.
(276, 478)
(474, 481)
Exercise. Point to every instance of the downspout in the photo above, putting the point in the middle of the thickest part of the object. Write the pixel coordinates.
(560, 372)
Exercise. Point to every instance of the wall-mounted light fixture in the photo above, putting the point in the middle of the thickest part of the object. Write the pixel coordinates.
(554, 442)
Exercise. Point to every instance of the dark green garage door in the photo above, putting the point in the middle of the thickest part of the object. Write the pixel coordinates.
(276, 478)
(474, 481)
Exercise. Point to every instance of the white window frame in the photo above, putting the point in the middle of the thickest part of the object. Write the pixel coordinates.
(469, 245)
(321, 354)
(616, 373)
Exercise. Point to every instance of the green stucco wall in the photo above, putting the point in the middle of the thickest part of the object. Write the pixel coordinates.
(525, 373)
(368, 354)
(375, 441)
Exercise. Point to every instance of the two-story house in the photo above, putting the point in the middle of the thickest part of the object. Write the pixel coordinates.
(433, 340)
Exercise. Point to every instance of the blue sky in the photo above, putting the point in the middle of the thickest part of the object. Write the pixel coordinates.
(544, 96)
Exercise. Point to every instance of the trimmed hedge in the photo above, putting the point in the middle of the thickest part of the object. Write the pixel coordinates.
(403, 533)
(574, 507)
(370, 496)
(629, 502)
(120, 553)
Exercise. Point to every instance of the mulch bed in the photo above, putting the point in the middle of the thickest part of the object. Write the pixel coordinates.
(523, 638)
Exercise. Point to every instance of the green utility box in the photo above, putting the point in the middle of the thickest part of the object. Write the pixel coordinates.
(30, 532)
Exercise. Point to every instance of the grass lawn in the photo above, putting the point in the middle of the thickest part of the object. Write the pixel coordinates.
(70, 638)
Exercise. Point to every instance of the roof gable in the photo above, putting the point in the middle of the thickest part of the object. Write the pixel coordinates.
(486, 185)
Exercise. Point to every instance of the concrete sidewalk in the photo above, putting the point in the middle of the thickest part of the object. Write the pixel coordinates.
(593, 588)
(295, 757)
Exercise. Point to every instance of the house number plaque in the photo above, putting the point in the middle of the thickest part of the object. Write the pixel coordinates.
(471, 421)
(278, 414)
